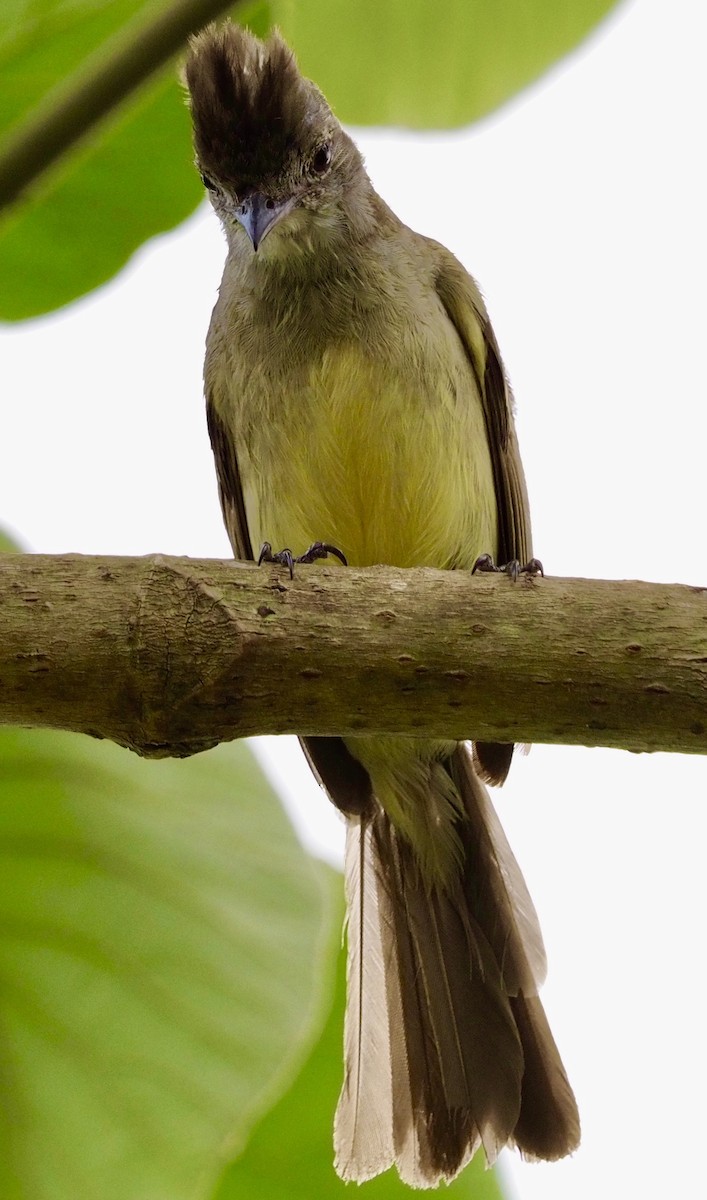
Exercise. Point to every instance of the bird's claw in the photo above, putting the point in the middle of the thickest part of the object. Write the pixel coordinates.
(321, 550)
(286, 559)
(513, 568)
(283, 557)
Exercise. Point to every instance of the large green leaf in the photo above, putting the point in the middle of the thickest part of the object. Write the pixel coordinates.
(290, 1156)
(430, 65)
(407, 62)
(130, 179)
(161, 963)
(77, 230)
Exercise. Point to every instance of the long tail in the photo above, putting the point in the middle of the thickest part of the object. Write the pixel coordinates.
(447, 1047)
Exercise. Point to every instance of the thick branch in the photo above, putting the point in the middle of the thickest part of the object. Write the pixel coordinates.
(171, 655)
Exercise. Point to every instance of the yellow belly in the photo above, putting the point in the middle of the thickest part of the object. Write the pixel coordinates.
(385, 472)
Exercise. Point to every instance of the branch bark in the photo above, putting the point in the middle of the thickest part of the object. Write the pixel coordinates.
(171, 655)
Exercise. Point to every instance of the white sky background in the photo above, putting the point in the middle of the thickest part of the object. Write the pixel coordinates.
(581, 208)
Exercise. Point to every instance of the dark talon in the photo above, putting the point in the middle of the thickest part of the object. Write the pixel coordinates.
(534, 567)
(321, 550)
(513, 568)
(285, 559)
(484, 563)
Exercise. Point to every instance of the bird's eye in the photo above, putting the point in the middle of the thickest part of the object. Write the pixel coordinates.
(208, 183)
(321, 159)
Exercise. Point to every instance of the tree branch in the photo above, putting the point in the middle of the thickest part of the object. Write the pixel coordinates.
(171, 655)
(105, 81)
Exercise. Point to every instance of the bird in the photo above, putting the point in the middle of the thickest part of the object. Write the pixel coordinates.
(358, 408)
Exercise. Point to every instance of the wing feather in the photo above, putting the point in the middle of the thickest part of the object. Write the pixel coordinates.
(466, 310)
(230, 489)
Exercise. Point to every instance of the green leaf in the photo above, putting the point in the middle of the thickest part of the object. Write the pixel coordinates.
(430, 66)
(131, 179)
(161, 965)
(135, 181)
(7, 546)
(290, 1156)
(43, 41)
(406, 62)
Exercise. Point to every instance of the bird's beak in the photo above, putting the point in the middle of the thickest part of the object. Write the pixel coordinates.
(258, 214)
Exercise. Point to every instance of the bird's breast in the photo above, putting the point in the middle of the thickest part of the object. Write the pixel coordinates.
(379, 456)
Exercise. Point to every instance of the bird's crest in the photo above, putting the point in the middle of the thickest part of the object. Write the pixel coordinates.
(250, 105)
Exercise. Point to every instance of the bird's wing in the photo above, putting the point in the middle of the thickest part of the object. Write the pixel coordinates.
(466, 310)
(230, 489)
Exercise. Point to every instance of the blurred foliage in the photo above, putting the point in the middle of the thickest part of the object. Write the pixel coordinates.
(404, 62)
(430, 66)
(7, 546)
(163, 965)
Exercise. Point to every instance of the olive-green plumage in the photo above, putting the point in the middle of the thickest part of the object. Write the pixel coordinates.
(355, 396)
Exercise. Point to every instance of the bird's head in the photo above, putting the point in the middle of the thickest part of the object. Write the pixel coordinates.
(271, 153)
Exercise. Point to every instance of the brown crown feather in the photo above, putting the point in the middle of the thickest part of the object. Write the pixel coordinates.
(250, 105)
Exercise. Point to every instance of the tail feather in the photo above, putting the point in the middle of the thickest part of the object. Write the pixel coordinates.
(496, 891)
(462, 1061)
(363, 1126)
(548, 1125)
(447, 1046)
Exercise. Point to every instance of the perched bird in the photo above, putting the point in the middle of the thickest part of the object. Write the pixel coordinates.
(357, 405)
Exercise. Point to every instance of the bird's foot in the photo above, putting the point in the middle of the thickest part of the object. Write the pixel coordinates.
(286, 559)
(513, 568)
